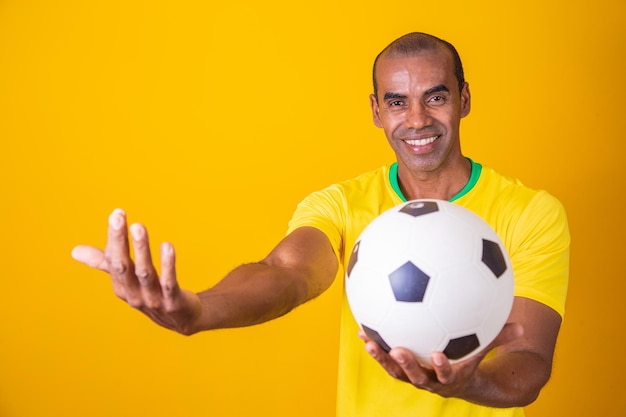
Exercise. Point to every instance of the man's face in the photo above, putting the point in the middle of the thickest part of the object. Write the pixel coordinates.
(420, 108)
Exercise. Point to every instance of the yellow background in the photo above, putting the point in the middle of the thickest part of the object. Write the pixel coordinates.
(209, 121)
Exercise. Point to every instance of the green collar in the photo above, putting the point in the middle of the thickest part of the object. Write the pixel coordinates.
(475, 174)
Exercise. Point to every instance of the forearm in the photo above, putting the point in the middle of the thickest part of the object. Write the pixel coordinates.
(511, 379)
(299, 268)
(251, 294)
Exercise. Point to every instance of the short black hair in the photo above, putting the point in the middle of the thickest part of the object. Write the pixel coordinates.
(415, 42)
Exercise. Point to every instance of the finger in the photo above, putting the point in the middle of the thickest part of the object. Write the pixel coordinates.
(168, 281)
(90, 256)
(117, 255)
(442, 368)
(144, 267)
(381, 356)
(386, 361)
(414, 372)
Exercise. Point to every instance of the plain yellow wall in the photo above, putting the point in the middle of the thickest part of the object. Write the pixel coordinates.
(209, 122)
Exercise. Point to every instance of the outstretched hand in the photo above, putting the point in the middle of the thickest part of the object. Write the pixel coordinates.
(138, 283)
(443, 378)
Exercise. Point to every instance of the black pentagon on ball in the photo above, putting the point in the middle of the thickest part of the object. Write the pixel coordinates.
(354, 257)
(493, 258)
(461, 346)
(375, 336)
(419, 208)
(409, 283)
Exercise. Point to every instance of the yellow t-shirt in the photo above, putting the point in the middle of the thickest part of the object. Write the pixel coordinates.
(533, 226)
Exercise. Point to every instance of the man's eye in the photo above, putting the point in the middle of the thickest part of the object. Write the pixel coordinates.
(396, 103)
(437, 99)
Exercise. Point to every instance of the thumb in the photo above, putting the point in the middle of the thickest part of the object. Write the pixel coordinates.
(90, 256)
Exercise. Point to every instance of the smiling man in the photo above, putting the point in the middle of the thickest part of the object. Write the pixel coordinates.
(419, 99)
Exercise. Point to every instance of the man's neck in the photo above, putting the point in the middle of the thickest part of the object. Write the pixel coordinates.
(442, 184)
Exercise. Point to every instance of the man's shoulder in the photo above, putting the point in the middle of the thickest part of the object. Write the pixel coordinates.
(497, 190)
(502, 185)
(380, 174)
(362, 184)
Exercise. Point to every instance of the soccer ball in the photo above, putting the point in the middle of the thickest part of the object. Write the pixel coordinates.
(430, 276)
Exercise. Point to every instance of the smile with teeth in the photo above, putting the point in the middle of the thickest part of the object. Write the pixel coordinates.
(421, 142)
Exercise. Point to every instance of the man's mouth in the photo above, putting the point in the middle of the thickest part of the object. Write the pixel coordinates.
(421, 142)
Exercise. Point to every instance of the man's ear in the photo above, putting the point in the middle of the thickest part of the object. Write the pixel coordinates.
(375, 111)
(466, 100)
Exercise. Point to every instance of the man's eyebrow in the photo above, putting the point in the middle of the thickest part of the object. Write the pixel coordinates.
(432, 90)
(391, 95)
(437, 89)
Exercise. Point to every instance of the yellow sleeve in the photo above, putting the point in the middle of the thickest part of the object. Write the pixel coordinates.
(324, 210)
(540, 258)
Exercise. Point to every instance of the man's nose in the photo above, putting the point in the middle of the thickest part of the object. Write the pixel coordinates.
(418, 116)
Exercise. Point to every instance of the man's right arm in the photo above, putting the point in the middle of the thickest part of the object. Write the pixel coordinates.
(299, 268)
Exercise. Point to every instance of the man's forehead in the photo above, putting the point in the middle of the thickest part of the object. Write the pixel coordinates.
(429, 66)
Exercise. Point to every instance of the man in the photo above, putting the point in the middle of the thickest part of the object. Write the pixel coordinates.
(420, 96)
